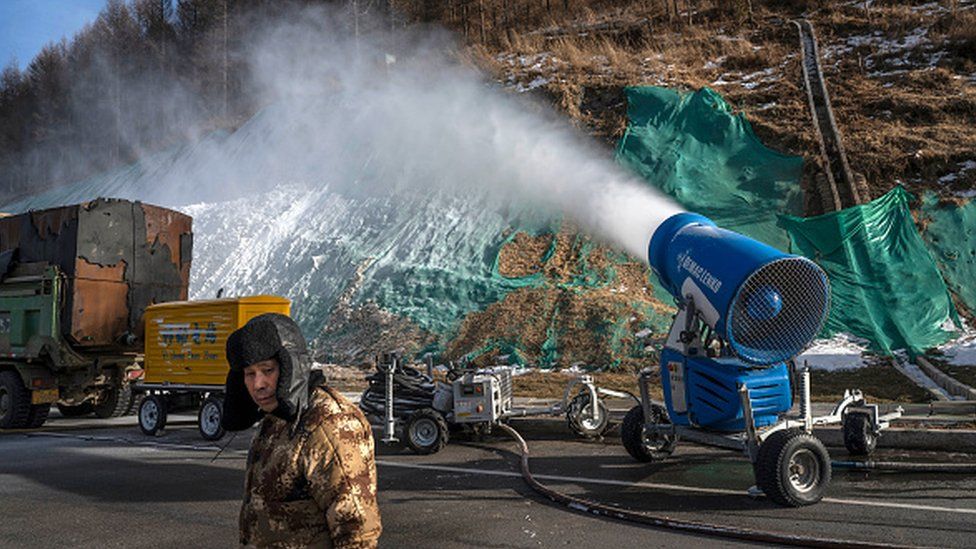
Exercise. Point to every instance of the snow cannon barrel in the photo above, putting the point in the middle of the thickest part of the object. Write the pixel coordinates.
(768, 305)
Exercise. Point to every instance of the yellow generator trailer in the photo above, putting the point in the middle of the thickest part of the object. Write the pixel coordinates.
(185, 364)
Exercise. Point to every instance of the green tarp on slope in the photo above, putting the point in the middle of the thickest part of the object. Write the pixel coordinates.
(949, 230)
(885, 287)
(692, 147)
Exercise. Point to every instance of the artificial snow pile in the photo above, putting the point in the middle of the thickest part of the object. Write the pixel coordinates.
(840, 352)
(962, 351)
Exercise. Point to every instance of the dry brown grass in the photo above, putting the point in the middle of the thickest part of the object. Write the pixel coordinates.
(911, 126)
(523, 255)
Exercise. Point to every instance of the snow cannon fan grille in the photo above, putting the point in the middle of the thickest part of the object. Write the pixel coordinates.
(778, 310)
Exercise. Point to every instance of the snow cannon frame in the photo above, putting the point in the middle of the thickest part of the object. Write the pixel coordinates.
(745, 310)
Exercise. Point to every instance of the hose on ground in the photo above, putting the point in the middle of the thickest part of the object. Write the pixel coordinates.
(412, 390)
(907, 467)
(660, 521)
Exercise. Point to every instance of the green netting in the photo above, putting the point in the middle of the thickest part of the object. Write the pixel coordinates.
(949, 229)
(695, 149)
(885, 287)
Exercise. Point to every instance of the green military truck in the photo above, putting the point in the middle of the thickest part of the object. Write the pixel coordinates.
(74, 283)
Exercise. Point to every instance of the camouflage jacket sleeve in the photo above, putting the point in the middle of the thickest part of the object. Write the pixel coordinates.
(341, 472)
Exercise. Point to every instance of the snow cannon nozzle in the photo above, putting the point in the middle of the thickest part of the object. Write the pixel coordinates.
(768, 305)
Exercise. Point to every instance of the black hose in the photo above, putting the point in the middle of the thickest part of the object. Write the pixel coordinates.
(908, 467)
(412, 390)
(586, 506)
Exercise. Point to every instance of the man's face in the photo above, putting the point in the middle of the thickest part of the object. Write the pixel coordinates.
(261, 379)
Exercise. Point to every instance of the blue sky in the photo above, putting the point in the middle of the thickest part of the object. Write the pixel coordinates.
(27, 25)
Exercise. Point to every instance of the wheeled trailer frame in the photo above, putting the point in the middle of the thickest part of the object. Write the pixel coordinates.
(478, 399)
(791, 465)
(161, 399)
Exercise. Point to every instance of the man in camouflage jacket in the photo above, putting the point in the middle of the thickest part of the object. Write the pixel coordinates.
(311, 473)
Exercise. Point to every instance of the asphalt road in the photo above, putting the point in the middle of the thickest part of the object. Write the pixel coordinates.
(77, 485)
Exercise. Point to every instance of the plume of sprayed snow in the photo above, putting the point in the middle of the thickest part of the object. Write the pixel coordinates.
(427, 120)
(339, 113)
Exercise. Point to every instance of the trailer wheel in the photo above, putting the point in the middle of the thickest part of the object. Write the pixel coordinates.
(580, 419)
(115, 403)
(644, 446)
(208, 420)
(77, 410)
(793, 468)
(859, 437)
(15, 402)
(426, 431)
(152, 415)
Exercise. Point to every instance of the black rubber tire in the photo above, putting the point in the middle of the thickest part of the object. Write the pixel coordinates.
(210, 418)
(15, 401)
(632, 435)
(859, 438)
(38, 415)
(785, 458)
(426, 431)
(78, 410)
(578, 416)
(152, 415)
(116, 403)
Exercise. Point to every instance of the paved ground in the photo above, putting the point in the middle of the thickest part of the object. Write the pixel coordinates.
(83, 486)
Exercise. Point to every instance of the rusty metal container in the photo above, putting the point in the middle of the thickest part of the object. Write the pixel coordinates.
(118, 257)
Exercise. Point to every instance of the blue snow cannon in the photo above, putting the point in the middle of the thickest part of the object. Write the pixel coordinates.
(745, 308)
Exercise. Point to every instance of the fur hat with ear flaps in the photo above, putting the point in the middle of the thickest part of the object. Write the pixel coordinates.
(265, 337)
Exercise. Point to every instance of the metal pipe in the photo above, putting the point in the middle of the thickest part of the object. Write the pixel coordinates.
(642, 380)
(389, 429)
(805, 406)
(594, 399)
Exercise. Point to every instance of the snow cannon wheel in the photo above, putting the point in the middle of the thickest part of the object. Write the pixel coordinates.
(426, 431)
(640, 444)
(793, 468)
(580, 419)
(859, 437)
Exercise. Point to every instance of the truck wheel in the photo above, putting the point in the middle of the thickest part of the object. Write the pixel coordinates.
(580, 419)
(793, 468)
(115, 403)
(208, 420)
(15, 402)
(644, 446)
(426, 431)
(136, 402)
(152, 415)
(859, 438)
(77, 410)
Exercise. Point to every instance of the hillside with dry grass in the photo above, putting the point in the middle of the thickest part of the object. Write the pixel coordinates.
(902, 75)
(902, 78)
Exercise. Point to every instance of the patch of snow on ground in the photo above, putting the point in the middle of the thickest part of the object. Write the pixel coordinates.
(963, 167)
(537, 82)
(961, 352)
(841, 352)
(913, 372)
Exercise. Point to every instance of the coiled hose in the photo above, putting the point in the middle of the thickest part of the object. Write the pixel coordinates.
(412, 390)
(586, 506)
